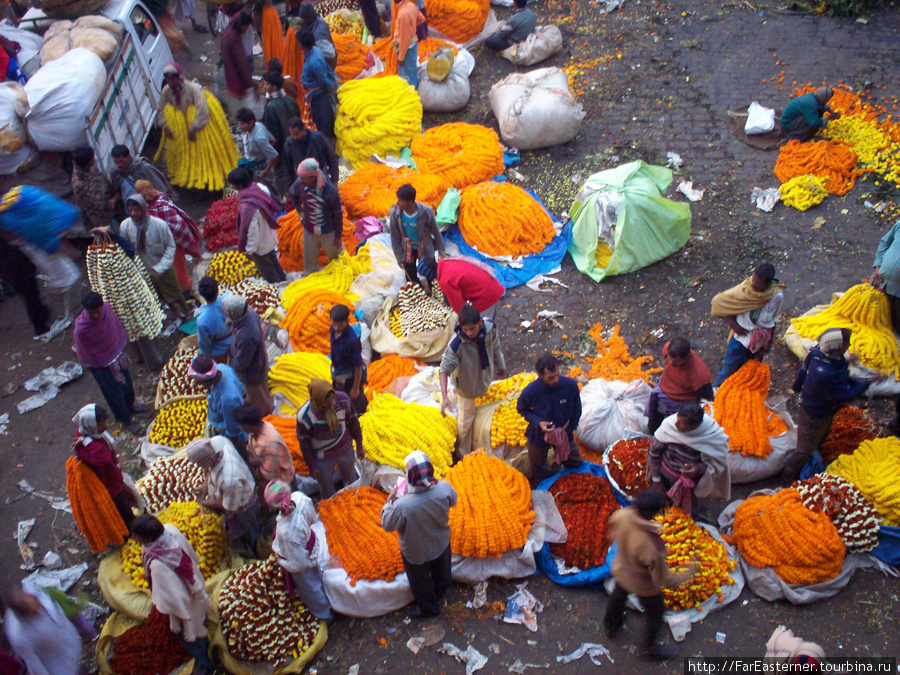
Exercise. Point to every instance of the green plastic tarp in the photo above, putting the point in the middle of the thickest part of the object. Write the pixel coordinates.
(649, 227)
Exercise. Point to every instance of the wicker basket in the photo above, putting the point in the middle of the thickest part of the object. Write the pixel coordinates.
(71, 8)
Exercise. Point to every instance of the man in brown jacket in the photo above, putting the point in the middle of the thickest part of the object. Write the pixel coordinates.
(640, 568)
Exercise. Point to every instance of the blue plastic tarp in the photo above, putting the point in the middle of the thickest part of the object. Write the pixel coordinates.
(593, 577)
(37, 216)
(888, 549)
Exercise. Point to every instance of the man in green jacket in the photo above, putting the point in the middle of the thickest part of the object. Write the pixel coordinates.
(803, 116)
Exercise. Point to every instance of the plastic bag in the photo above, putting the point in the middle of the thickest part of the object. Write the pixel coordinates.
(445, 95)
(424, 388)
(15, 152)
(759, 119)
(30, 45)
(536, 109)
(61, 95)
(37, 217)
(439, 64)
(888, 549)
(384, 281)
(425, 345)
(448, 210)
(543, 43)
(609, 410)
(367, 227)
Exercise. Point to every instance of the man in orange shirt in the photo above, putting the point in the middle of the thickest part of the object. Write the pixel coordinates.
(404, 40)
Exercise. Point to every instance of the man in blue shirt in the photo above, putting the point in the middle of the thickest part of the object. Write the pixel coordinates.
(213, 334)
(348, 370)
(319, 84)
(224, 393)
(518, 27)
(552, 407)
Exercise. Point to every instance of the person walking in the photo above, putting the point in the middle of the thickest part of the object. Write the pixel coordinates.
(405, 41)
(257, 225)
(181, 94)
(260, 155)
(304, 142)
(247, 353)
(415, 236)
(40, 634)
(128, 171)
(421, 517)
(236, 62)
(318, 203)
(213, 331)
(348, 369)
(20, 273)
(225, 393)
(319, 84)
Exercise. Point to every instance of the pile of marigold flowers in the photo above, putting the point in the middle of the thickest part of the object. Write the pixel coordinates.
(460, 153)
(291, 373)
(740, 409)
(486, 225)
(503, 389)
(393, 429)
(585, 502)
(626, 464)
(308, 321)
(849, 428)
(613, 361)
(875, 470)
(231, 267)
(508, 427)
(832, 161)
(259, 295)
(170, 479)
(855, 519)
(685, 542)
(220, 224)
(287, 427)
(290, 241)
(494, 513)
(352, 520)
(336, 277)
(351, 55)
(459, 20)
(149, 648)
(95, 514)
(803, 192)
(778, 531)
(174, 381)
(382, 373)
(372, 190)
(179, 423)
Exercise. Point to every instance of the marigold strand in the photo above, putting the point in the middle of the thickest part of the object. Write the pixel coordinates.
(372, 190)
(613, 361)
(95, 514)
(460, 153)
(875, 470)
(386, 370)
(627, 465)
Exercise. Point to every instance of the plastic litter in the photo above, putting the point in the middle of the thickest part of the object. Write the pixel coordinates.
(473, 659)
(686, 188)
(535, 283)
(51, 561)
(765, 199)
(22, 531)
(480, 596)
(674, 160)
(415, 644)
(519, 667)
(522, 608)
(47, 384)
(61, 579)
(593, 650)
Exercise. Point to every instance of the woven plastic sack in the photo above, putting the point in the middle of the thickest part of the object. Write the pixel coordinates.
(450, 93)
(426, 346)
(609, 410)
(543, 43)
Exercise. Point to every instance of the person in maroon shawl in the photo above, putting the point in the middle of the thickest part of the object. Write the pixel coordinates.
(235, 62)
(257, 223)
(684, 378)
(100, 340)
(463, 279)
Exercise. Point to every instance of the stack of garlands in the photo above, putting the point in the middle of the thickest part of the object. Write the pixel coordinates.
(169, 480)
(493, 514)
(336, 277)
(740, 409)
(503, 389)
(486, 225)
(613, 361)
(372, 190)
(287, 427)
(179, 423)
(459, 20)
(351, 56)
(866, 312)
(685, 542)
(803, 192)
(855, 519)
(293, 63)
(392, 429)
(507, 425)
(290, 241)
(231, 267)
(204, 530)
(627, 465)
(778, 531)
(220, 224)
(585, 502)
(174, 381)
(201, 164)
(850, 427)
(875, 470)
(259, 295)
(460, 153)
(420, 313)
(95, 514)
(149, 648)
(291, 373)
(260, 620)
(385, 371)
(308, 321)
(352, 520)
(376, 116)
(832, 161)
(272, 34)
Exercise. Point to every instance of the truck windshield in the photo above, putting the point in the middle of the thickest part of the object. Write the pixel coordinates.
(144, 26)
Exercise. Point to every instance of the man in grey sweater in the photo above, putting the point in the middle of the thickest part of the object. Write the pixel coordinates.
(518, 27)
(422, 518)
(473, 358)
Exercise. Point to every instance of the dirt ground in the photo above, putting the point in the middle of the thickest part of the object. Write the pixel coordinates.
(658, 78)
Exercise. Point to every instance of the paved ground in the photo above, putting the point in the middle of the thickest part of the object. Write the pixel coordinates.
(665, 75)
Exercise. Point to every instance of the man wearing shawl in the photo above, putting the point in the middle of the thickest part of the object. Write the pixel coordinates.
(684, 378)
(297, 547)
(155, 246)
(804, 115)
(687, 457)
(96, 447)
(267, 452)
(825, 386)
(100, 340)
(257, 224)
(181, 94)
(463, 279)
(235, 60)
(177, 586)
(751, 310)
(473, 359)
(420, 514)
(327, 428)
(414, 235)
(247, 353)
(184, 230)
(40, 634)
(229, 489)
(224, 393)
(128, 171)
(318, 203)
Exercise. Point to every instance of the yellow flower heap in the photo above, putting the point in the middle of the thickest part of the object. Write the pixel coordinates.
(292, 372)
(231, 267)
(875, 470)
(179, 423)
(507, 425)
(201, 164)
(336, 276)
(866, 312)
(201, 527)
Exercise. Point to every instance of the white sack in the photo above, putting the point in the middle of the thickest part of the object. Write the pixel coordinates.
(609, 410)
(30, 45)
(759, 119)
(12, 129)
(543, 43)
(451, 93)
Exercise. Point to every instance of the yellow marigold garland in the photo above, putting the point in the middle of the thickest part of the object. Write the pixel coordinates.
(502, 219)
(292, 372)
(231, 267)
(308, 321)
(875, 470)
(336, 277)
(460, 153)
(179, 423)
(803, 192)
(372, 190)
(613, 361)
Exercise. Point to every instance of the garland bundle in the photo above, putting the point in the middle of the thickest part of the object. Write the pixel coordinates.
(627, 465)
(849, 428)
(460, 153)
(95, 514)
(740, 409)
(259, 295)
(292, 372)
(832, 161)
(179, 423)
(231, 267)
(855, 519)
(220, 224)
(169, 480)
(875, 470)
(459, 20)
(372, 190)
(272, 34)
(308, 321)
(336, 276)
(585, 502)
(351, 55)
(149, 648)
(486, 225)
(383, 372)
(174, 381)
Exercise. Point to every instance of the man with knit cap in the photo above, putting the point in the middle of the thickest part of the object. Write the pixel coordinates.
(247, 353)
(318, 203)
(224, 393)
(419, 511)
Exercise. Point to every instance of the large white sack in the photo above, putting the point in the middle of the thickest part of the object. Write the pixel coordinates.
(536, 109)
(451, 93)
(543, 43)
(61, 94)
(29, 47)
(15, 151)
(609, 410)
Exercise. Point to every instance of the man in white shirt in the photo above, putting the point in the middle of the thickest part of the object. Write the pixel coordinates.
(40, 634)
(257, 224)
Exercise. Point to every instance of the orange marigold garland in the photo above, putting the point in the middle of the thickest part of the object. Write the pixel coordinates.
(352, 520)
(585, 502)
(287, 427)
(850, 427)
(613, 360)
(833, 161)
(778, 531)
(459, 20)
(95, 514)
(372, 190)
(272, 34)
(384, 50)
(626, 464)
(501, 219)
(290, 241)
(293, 65)
(382, 373)
(351, 55)
(308, 321)
(460, 153)
(493, 514)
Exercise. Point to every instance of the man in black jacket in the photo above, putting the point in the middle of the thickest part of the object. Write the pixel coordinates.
(303, 143)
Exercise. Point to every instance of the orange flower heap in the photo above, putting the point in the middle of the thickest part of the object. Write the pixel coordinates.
(501, 219)
(92, 507)
(740, 409)
(493, 514)
(272, 34)
(460, 153)
(287, 427)
(290, 241)
(372, 190)
(833, 161)
(352, 520)
(308, 321)
(382, 373)
(585, 502)
(856, 519)
(778, 531)
(850, 427)
(628, 465)
(459, 20)
(613, 361)
(351, 55)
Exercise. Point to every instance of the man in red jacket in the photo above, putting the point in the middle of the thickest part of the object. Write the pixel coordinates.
(463, 279)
